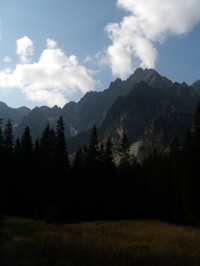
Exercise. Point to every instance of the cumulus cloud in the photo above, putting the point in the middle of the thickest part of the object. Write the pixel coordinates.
(54, 79)
(51, 44)
(147, 23)
(24, 49)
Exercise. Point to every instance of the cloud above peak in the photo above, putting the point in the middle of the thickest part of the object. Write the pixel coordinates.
(24, 49)
(52, 80)
(147, 23)
(51, 44)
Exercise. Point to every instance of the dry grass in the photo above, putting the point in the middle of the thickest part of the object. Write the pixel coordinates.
(114, 243)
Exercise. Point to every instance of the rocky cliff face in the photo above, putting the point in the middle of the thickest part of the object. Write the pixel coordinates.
(15, 114)
(196, 86)
(151, 115)
(161, 131)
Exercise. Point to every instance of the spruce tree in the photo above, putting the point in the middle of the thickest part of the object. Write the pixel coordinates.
(93, 151)
(190, 181)
(108, 153)
(61, 153)
(7, 166)
(195, 129)
(124, 152)
(8, 138)
(46, 171)
(47, 146)
(26, 144)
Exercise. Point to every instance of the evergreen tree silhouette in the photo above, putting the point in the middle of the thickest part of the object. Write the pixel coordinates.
(61, 153)
(78, 161)
(26, 183)
(190, 180)
(46, 171)
(7, 165)
(62, 182)
(93, 151)
(26, 144)
(124, 153)
(8, 138)
(108, 153)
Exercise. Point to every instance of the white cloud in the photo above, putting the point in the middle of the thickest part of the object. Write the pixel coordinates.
(147, 23)
(54, 79)
(51, 44)
(7, 59)
(24, 49)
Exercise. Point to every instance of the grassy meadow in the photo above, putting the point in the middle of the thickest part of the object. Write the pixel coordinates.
(102, 243)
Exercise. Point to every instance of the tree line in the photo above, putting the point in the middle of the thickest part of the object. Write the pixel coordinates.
(40, 180)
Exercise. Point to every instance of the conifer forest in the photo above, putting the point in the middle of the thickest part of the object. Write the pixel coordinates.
(41, 181)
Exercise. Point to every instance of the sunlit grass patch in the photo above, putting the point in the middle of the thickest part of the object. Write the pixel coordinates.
(113, 243)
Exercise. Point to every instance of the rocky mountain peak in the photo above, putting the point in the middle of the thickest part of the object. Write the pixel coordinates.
(151, 77)
(3, 105)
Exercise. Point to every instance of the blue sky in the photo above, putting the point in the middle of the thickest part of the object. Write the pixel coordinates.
(54, 51)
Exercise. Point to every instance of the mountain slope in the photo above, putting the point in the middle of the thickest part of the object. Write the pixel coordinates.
(145, 107)
(38, 118)
(14, 114)
(196, 86)
(93, 107)
(167, 108)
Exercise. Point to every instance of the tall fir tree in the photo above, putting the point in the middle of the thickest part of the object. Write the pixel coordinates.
(7, 166)
(124, 152)
(93, 151)
(108, 150)
(61, 153)
(8, 138)
(47, 146)
(190, 178)
(26, 144)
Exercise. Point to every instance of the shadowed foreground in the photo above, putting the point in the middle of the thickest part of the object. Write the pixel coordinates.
(27, 242)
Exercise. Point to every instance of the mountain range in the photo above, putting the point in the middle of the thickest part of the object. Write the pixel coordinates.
(149, 108)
